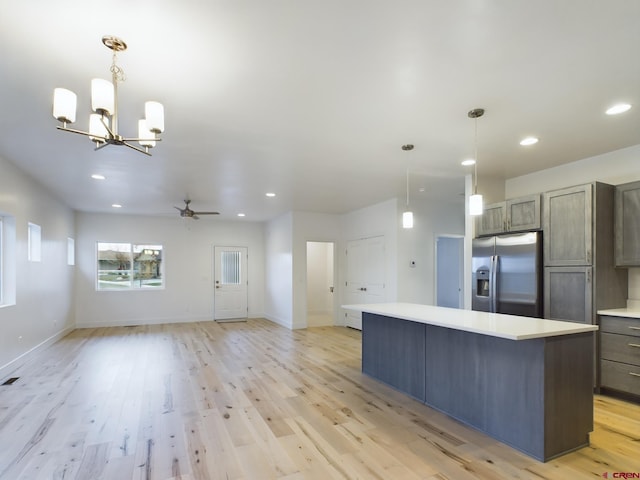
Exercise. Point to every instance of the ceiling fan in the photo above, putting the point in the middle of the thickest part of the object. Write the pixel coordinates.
(186, 212)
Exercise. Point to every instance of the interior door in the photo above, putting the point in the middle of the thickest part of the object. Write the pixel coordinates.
(365, 275)
(230, 276)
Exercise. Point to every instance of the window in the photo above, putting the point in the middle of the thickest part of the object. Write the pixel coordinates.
(126, 266)
(71, 251)
(1, 266)
(34, 241)
(7, 260)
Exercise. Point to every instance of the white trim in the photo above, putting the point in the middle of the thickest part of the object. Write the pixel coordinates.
(16, 363)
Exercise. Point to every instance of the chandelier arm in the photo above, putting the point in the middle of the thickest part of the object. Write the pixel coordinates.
(112, 133)
(141, 139)
(136, 148)
(80, 132)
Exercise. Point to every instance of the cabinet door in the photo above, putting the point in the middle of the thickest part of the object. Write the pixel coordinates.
(627, 224)
(492, 220)
(568, 294)
(523, 213)
(568, 226)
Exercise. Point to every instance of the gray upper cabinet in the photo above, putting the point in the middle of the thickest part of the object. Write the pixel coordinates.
(493, 219)
(514, 215)
(523, 213)
(568, 218)
(627, 224)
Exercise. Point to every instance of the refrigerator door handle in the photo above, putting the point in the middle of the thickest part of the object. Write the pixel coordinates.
(493, 283)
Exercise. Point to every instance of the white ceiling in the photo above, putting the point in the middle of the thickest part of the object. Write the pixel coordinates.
(313, 99)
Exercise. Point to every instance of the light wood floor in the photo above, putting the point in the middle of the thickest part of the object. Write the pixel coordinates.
(253, 400)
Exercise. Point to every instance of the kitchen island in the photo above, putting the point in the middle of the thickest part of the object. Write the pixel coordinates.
(526, 382)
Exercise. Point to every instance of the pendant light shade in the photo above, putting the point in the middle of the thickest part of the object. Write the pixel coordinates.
(98, 131)
(475, 204)
(407, 219)
(102, 96)
(64, 105)
(154, 114)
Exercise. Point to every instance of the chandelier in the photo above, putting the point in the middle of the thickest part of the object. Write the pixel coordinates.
(103, 123)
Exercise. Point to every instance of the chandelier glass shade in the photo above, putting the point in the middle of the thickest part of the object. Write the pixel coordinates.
(103, 122)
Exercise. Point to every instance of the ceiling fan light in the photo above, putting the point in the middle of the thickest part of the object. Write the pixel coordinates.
(407, 219)
(475, 204)
(98, 131)
(154, 113)
(64, 105)
(145, 136)
(102, 96)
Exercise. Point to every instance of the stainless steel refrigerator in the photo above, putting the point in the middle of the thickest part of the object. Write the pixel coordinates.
(507, 274)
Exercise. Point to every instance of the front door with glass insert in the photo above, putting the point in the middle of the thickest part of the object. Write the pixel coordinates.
(230, 277)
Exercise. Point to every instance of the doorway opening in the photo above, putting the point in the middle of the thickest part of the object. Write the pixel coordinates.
(450, 271)
(320, 284)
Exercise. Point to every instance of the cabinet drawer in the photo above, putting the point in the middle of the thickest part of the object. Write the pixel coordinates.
(623, 325)
(620, 376)
(620, 348)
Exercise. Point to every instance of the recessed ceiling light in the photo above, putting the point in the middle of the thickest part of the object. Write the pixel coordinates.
(467, 162)
(241, 214)
(619, 108)
(97, 176)
(116, 205)
(270, 194)
(525, 142)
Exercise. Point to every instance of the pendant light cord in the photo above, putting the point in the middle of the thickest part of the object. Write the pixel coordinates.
(407, 187)
(475, 165)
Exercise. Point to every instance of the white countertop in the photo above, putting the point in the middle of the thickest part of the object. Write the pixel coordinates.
(621, 312)
(512, 327)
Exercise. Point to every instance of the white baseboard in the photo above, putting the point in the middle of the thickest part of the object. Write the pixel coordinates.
(17, 362)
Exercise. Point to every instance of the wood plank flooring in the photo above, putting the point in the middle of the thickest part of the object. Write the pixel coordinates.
(254, 401)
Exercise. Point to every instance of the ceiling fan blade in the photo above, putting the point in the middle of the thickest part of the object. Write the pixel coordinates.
(206, 213)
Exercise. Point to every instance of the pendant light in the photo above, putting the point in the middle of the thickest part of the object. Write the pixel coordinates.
(475, 200)
(407, 216)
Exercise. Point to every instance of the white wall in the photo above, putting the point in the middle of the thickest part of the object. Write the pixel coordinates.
(615, 168)
(431, 218)
(43, 310)
(188, 268)
(317, 227)
(278, 290)
(372, 221)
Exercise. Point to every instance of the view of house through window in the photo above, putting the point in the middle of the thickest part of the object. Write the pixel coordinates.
(126, 266)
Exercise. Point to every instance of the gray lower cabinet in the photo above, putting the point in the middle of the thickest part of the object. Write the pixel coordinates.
(627, 224)
(620, 354)
(389, 347)
(535, 395)
(568, 294)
